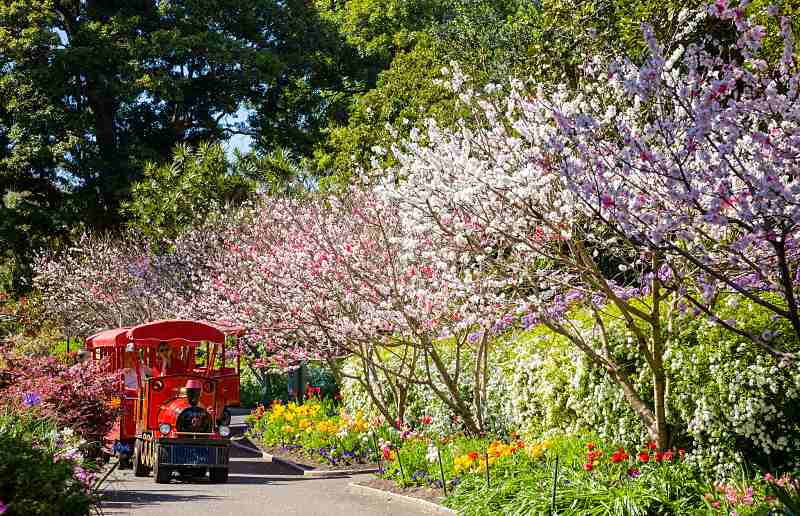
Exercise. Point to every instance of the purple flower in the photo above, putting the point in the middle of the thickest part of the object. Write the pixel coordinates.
(529, 321)
(3, 507)
(418, 476)
(572, 296)
(474, 337)
(83, 475)
(30, 399)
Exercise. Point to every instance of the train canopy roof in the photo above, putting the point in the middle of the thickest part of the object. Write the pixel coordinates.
(176, 330)
(165, 331)
(108, 338)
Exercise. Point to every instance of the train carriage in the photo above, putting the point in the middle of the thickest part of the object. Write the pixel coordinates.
(175, 387)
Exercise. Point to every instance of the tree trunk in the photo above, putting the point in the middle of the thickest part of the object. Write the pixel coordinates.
(657, 363)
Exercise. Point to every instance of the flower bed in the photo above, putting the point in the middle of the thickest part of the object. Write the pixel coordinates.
(483, 477)
(314, 434)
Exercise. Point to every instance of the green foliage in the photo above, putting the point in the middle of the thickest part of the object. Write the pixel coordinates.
(404, 96)
(93, 91)
(492, 40)
(32, 480)
(174, 196)
(252, 392)
(729, 402)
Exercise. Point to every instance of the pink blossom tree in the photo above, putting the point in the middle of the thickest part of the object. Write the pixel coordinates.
(101, 283)
(323, 277)
(630, 198)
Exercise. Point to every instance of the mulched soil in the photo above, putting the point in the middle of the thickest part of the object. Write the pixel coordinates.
(429, 494)
(313, 461)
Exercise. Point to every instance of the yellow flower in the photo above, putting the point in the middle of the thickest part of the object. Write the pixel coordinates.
(289, 416)
(327, 427)
(465, 461)
(304, 423)
(288, 429)
(538, 449)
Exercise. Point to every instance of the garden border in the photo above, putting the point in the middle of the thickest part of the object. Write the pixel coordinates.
(321, 473)
(315, 473)
(429, 506)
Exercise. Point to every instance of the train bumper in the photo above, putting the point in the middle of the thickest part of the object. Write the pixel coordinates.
(209, 453)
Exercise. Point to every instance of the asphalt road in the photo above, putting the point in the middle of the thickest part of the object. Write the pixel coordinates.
(255, 488)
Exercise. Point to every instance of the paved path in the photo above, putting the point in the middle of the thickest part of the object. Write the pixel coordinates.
(254, 488)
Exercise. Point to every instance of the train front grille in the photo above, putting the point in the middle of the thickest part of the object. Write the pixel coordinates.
(189, 455)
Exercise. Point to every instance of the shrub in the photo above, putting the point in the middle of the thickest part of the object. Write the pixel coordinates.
(729, 402)
(42, 470)
(73, 397)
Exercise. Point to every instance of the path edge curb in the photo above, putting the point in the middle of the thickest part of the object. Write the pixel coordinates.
(272, 458)
(317, 473)
(286, 462)
(337, 472)
(371, 491)
(246, 448)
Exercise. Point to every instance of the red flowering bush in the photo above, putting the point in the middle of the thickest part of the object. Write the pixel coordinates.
(74, 397)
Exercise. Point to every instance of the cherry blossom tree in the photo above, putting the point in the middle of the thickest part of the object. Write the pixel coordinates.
(101, 283)
(640, 194)
(699, 165)
(323, 277)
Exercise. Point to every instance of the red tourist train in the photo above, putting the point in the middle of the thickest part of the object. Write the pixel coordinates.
(176, 384)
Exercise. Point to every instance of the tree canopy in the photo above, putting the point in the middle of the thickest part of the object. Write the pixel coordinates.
(95, 93)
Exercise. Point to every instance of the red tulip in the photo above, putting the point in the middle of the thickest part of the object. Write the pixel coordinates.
(619, 456)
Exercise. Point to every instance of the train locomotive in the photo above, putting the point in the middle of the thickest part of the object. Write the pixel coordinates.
(175, 388)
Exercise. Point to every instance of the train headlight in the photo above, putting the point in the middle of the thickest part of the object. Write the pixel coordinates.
(224, 431)
(164, 428)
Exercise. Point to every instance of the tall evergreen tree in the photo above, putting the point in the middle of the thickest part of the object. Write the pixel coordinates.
(93, 90)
